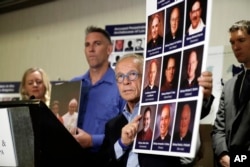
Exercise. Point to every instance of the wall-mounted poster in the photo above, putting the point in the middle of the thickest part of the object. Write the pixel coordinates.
(176, 46)
(126, 38)
(9, 91)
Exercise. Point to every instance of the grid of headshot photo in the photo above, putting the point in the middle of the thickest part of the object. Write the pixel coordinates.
(175, 56)
(124, 45)
(126, 38)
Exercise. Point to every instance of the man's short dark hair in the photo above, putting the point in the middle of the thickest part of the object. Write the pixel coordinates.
(241, 25)
(192, 3)
(91, 29)
(148, 109)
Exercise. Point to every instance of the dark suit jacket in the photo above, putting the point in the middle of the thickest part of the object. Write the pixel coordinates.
(112, 134)
(154, 44)
(139, 48)
(186, 139)
(169, 87)
(186, 85)
(129, 49)
(147, 88)
(231, 127)
(169, 37)
(166, 139)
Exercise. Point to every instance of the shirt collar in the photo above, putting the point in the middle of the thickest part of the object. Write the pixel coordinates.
(129, 116)
(198, 28)
(108, 77)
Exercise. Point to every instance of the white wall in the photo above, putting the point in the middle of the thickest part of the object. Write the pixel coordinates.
(51, 35)
(224, 14)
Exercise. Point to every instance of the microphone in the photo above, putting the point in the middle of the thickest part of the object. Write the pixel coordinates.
(32, 97)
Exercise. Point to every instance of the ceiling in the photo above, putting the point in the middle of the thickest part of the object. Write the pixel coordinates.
(11, 5)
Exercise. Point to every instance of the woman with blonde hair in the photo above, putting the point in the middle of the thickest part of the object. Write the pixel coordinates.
(35, 84)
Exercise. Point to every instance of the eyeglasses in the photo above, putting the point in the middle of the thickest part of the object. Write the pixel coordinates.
(131, 76)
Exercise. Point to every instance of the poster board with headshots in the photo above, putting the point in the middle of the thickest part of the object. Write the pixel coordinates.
(176, 49)
(126, 38)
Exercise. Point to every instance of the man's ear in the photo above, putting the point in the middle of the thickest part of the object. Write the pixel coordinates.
(110, 49)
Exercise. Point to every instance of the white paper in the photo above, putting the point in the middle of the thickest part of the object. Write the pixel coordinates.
(7, 150)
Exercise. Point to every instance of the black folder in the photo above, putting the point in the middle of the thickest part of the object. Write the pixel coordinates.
(40, 138)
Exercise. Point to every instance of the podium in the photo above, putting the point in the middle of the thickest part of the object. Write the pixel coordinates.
(40, 139)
